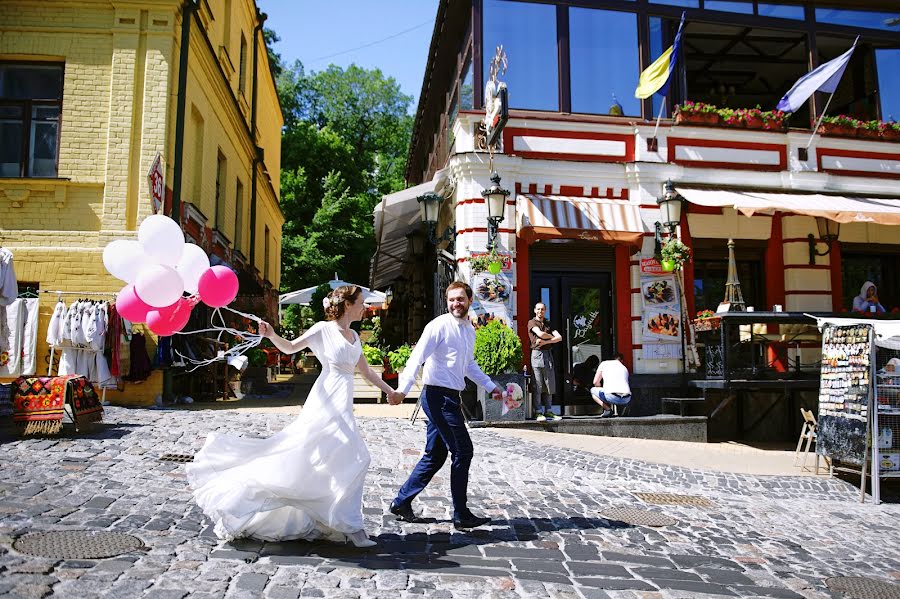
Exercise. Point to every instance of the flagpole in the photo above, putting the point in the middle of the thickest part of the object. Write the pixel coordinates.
(809, 143)
(662, 106)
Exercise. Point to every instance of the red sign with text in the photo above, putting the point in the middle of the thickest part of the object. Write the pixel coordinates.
(651, 266)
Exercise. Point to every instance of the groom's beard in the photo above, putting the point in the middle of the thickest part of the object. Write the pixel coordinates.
(460, 312)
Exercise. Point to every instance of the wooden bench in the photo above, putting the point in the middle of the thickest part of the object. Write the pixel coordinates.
(681, 401)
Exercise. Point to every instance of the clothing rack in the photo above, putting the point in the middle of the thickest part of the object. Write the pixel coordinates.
(59, 295)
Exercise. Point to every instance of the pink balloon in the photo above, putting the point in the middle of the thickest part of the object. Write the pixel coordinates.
(218, 286)
(171, 319)
(130, 306)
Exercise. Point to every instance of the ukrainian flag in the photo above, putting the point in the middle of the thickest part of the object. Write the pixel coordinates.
(655, 78)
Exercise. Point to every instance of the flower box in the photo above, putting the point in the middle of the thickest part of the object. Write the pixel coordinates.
(890, 134)
(696, 118)
(836, 130)
(707, 324)
(868, 133)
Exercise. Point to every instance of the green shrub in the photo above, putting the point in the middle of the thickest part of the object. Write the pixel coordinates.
(257, 357)
(399, 357)
(315, 302)
(498, 349)
(374, 356)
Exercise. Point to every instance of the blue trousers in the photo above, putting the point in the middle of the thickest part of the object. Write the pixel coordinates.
(446, 433)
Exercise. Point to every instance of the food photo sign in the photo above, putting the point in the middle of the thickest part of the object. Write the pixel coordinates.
(661, 318)
(493, 298)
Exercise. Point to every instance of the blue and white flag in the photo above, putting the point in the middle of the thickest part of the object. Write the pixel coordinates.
(824, 78)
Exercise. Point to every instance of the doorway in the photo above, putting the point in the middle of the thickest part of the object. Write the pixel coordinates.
(580, 307)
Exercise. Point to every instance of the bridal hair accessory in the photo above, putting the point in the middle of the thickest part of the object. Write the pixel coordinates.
(330, 301)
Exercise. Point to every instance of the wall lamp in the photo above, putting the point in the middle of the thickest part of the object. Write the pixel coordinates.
(429, 209)
(670, 204)
(495, 197)
(828, 232)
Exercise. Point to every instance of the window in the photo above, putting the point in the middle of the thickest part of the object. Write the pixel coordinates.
(855, 94)
(242, 66)
(729, 6)
(266, 253)
(889, 21)
(684, 3)
(466, 86)
(239, 216)
(879, 268)
(30, 106)
(528, 34)
(710, 277)
(220, 192)
(888, 64)
(197, 174)
(661, 37)
(454, 112)
(781, 11)
(603, 54)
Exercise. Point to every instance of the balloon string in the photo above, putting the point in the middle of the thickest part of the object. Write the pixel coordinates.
(250, 340)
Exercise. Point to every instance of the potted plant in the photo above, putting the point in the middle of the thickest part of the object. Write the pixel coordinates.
(491, 262)
(696, 113)
(397, 360)
(774, 120)
(674, 255)
(891, 132)
(870, 129)
(498, 351)
(706, 321)
(840, 126)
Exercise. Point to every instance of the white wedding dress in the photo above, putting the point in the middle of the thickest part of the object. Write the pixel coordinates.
(305, 482)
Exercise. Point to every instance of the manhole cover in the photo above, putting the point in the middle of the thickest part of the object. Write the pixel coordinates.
(176, 457)
(859, 587)
(77, 544)
(638, 517)
(674, 499)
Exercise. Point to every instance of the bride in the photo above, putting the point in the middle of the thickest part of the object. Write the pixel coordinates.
(305, 482)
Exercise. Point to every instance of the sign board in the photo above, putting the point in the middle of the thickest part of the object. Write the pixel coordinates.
(157, 184)
(845, 391)
(651, 266)
(496, 99)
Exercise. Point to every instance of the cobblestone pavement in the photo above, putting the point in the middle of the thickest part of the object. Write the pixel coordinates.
(761, 537)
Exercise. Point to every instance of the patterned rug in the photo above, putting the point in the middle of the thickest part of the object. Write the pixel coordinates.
(39, 402)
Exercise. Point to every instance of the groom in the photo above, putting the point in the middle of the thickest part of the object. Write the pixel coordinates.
(447, 348)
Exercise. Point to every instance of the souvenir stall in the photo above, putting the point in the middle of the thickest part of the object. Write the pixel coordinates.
(858, 426)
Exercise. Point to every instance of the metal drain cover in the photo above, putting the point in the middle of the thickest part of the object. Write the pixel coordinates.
(77, 544)
(674, 499)
(638, 517)
(176, 457)
(859, 587)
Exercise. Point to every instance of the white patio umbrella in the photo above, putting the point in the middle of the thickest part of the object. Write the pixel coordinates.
(304, 296)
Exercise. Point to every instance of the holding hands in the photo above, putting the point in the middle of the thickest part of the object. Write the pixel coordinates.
(396, 398)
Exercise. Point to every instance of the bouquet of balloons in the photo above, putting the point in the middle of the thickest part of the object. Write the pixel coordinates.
(159, 269)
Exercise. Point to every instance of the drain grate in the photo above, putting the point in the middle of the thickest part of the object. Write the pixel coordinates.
(77, 544)
(860, 587)
(638, 517)
(176, 457)
(674, 499)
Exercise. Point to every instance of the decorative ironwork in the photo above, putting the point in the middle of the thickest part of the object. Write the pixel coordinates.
(733, 295)
(638, 517)
(674, 499)
(715, 360)
(77, 544)
(444, 274)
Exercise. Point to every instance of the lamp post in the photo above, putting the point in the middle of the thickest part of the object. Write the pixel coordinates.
(495, 197)
(429, 210)
(829, 231)
(670, 205)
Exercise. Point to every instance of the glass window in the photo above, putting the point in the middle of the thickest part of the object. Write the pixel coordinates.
(454, 112)
(603, 54)
(684, 3)
(888, 64)
(859, 18)
(659, 42)
(727, 6)
(30, 100)
(528, 35)
(710, 277)
(466, 87)
(782, 11)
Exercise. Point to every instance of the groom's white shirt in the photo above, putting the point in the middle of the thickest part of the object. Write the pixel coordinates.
(447, 347)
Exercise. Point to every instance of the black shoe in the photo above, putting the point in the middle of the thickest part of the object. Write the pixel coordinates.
(403, 512)
(607, 414)
(470, 521)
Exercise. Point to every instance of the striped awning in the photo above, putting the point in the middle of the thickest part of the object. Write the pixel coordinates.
(576, 217)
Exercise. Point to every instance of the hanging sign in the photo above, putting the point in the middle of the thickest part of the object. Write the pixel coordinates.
(496, 99)
(156, 182)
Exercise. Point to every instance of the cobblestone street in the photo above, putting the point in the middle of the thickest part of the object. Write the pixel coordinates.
(756, 537)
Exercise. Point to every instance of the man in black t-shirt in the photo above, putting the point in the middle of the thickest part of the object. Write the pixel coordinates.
(542, 338)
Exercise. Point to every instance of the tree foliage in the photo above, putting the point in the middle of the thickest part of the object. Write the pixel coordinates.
(344, 145)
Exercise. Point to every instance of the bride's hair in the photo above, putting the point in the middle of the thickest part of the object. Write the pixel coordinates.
(337, 300)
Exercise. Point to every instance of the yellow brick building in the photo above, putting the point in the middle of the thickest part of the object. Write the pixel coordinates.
(90, 92)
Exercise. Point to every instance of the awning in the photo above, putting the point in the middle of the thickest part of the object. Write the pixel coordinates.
(842, 209)
(396, 216)
(303, 296)
(575, 217)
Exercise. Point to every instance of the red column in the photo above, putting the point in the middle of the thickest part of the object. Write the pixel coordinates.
(837, 282)
(623, 303)
(688, 269)
(774, 263)
(523, 293)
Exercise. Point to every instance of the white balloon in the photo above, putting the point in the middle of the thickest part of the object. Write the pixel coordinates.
(194, 262)
(124, 259)
(162, 239)
(159, 285)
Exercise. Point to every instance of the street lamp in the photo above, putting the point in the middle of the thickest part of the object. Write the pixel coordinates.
(429, 209)
(495, 196)
(670, 204)
(828, 232)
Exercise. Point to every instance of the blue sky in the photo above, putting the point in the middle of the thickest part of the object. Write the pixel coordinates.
(323, 32)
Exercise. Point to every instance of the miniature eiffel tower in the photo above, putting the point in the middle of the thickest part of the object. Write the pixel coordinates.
(733, 295)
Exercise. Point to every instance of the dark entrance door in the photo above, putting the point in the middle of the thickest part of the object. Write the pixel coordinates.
(580, 307)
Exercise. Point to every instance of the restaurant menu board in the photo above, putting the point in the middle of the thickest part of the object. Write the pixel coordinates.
(844, 392)
(661, 313)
